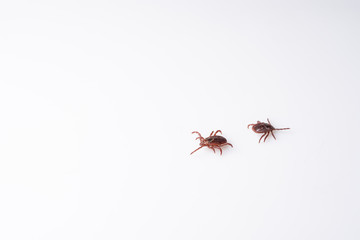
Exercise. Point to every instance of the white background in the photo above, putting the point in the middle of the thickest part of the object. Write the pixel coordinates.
(98, 100)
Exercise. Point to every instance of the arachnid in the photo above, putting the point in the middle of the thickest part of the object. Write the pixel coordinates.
(265, 128)
(212, 141)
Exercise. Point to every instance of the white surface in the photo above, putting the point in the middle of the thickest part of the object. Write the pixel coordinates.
(98, 100)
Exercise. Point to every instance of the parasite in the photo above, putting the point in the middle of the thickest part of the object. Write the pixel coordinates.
(213, 141)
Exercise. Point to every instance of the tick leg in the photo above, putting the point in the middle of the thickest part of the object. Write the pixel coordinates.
(217, 147)
(269, 121)
(196, 150)
(262, 137)
(228, 144)
(273, 134)
(268, 133)
(281, 128)
(196, 133)
(212, 149)
(250, 125)
(217, 132)
(211, 133)
(200, 137)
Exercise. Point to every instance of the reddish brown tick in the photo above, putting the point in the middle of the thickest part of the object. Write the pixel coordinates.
(265, 128)
(212, 142)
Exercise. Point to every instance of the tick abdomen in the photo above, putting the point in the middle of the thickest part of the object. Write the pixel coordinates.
(216, 140)
(262, 128)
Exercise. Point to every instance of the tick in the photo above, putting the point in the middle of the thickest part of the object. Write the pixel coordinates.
(265, 128)
(213, 141)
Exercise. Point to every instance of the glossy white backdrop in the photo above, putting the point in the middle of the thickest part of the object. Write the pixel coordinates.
(98, 100)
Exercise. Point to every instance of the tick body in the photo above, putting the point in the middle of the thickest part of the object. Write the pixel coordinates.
(265, 129)
(213, 141)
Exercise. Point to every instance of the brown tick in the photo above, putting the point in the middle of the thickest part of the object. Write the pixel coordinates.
(212, 141)
(265, 128)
